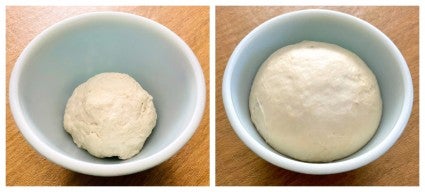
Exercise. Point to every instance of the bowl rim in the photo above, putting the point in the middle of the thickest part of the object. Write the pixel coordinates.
(123, 168)
(317, 168)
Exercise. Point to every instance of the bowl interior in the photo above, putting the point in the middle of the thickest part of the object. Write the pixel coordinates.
(69, 54)
(328, 27)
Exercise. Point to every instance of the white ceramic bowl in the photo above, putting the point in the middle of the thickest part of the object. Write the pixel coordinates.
(376, 49)
(73, 50)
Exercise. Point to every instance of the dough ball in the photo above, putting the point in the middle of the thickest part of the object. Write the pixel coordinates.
(315, 102)
(110, 115)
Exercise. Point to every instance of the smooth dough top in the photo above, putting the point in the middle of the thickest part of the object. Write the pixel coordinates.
(315, 102)
(110, 115)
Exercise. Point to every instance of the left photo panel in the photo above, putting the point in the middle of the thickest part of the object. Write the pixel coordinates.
(111, 96)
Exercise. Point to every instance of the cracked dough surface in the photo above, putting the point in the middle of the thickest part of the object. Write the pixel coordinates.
(110, 115)
(315, 102)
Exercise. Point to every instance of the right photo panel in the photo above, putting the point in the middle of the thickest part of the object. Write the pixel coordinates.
(322, 96)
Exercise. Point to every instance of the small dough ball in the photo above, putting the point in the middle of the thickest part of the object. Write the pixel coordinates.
(110, 115)
(315, 102)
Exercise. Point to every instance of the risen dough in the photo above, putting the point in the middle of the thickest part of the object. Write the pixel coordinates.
(315, 102)
(110, 115)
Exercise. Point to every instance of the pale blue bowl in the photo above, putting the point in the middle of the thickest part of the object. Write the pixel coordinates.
(349, 32)
(71, 51)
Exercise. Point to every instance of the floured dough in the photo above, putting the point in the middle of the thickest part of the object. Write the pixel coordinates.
(110, 115)
(315, 102)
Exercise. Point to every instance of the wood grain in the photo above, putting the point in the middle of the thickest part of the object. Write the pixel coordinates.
(237, 165)
(24, 166)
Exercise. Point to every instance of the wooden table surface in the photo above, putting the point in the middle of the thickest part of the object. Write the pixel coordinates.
(238, 165)
(24, 166)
